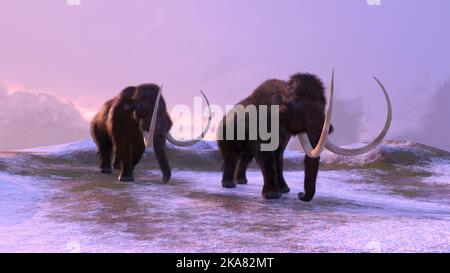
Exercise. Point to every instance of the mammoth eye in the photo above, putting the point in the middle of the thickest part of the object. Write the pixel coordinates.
(142, 111)
(127, 107)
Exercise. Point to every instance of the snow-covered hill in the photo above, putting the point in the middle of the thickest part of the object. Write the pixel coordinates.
(390, 154)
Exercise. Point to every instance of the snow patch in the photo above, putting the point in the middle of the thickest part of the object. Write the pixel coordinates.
(441, 172)
(18, 198)
(64, 149)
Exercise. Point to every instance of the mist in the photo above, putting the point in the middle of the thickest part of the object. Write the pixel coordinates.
(29, 120)
(434, 127)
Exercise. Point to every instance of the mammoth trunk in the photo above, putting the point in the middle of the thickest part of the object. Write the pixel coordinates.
(311, 170)
(311, 165)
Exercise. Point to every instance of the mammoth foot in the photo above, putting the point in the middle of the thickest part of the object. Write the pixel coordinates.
(106, 170)
(166, 178)
(285, 189)
(272, 195)
(241, 181)
(228, 184)
(126, 178)
(304, 197)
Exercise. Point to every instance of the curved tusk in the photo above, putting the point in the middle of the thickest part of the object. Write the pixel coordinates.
(148, 136)
(351, 152)
(172, 140)
(303, 137)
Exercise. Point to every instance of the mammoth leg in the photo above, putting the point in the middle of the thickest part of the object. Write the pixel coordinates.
(241, 177)
(267, 163)
(126, 162)
(138, 150)
(105, 150)
(116, 164)
(159, 144)
(281, 182)
(279, 157)
(104, 145)
(229, 168)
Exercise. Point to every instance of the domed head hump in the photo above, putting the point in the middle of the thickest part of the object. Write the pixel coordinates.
(308, 86)
(146, 91)
(128, 92)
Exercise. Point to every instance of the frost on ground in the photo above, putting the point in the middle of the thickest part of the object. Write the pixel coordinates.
(394, 199)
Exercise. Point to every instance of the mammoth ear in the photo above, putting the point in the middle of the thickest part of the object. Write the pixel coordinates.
(277, 99)
(280, 100)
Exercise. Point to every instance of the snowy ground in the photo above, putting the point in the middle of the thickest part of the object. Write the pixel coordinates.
(395, 199)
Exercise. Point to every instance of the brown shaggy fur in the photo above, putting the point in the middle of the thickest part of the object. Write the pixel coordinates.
(118, 127)
(302, 103)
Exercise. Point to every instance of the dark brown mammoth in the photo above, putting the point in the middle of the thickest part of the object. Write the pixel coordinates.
(135, 119)
(302, 112)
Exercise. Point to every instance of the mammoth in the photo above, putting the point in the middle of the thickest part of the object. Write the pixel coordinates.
(302, 113)
(133, 120)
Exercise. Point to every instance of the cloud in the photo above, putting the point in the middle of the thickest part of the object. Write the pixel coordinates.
(30, 120)
(434, 129)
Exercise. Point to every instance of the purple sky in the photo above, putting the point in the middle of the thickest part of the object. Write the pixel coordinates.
(85, 54)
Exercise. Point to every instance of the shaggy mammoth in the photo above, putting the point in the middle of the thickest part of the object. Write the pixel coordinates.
(135, 119)
(302, 112)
